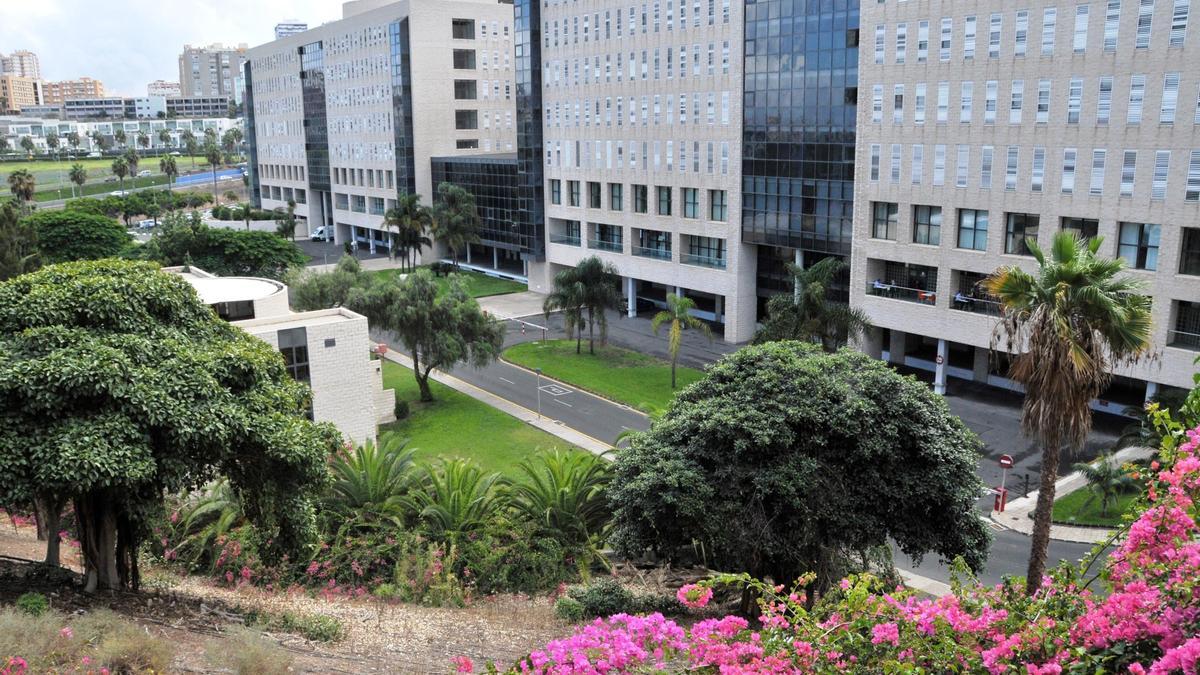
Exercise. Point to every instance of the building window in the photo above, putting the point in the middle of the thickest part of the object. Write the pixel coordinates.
(1128, 173)
(972, 229)
(691, 203)
(1187, 326)
(1170, 98)
(1192, 193)
(572, 193)
(1019, 229)
(927, 225)
(1112, 25)
(466, 143)
(1081, 29)
(466, 119)
(664, 200)
(616, 196)
(555, 191)
(640, 199)
(1145, 20)
(717, 206)
(1179, 21)
(1162, 166)
(653, 244)
(1137, 96)
(705, 251)
(1085, 228)
(593, 195)
(1038, 176)
(238, 310)
(1138, 245)
(464, 59)
(1074, 100)
(1189, 254)
(1049, 26)
(884, 220)
(465, 90)
(1070, 157)
(1104, 101)
(462, 29)
(293, 344)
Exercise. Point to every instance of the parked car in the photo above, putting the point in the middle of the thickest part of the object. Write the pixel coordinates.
(143, 173)
(110, 179)
(318, 234)
(94, 153)
(119, 193)
(146, 224)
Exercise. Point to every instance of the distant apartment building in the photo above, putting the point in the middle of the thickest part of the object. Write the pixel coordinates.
(198, 106)
(16, 127)
(349, 115)
(18, 92)
(54, 93)
(142, 107)
(329, 350)
(211, 71)
(983, 128)
(21, 63)
(164, 89)
(287, 28)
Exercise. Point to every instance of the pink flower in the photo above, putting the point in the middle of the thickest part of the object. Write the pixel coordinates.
(66, 632)
(463, 664)
(885, 632)
(694, 595)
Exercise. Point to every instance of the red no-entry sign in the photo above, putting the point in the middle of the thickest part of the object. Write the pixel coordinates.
(1006, 461)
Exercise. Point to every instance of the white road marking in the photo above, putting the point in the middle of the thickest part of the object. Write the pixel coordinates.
(507, 380)
(626, 428)
(563, 403)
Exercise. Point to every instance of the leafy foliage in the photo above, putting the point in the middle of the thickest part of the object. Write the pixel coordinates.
(18, 244)
(605, 597)
(68, 235)
(455, 219)
(592, 287)
(808, 314)
(1106, 479)
(223, 252)
(785, 459)
(309, 290)
(369, 485)
(678, 315)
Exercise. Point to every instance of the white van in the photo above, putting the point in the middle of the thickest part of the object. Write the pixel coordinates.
(318, 234)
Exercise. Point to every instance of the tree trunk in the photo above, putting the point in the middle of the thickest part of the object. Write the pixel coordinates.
(1040, 541)
(591, 332)
(98, 540)
(50, 518)
(673, 358)
(40, 517)
(127, 545)
(422, 379)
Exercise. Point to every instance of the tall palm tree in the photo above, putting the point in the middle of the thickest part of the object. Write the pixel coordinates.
(808, 315)
(27, 145)
(164, 138)
(568, 296)
(679, 314)
(23, 187)
(73, 140)
(189, 143)
(78, 176)
(411, 221)
(601, 292)
(52, 142)
(4, 145)
(456, 221)
(132, 160)
(143, 139)
(212, 153)
(1106, 480)
(120, 137)
(120, 169)
(167, 166)
(1068, 325)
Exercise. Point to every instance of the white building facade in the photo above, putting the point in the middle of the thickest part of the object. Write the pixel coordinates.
(982, 127)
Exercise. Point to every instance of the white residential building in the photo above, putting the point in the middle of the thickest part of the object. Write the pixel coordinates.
(982, 127)
(287, 28)
(327, 349)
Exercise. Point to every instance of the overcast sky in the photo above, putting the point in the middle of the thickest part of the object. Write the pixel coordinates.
(128, 43)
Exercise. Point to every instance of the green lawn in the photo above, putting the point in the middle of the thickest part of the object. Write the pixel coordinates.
(478, 285)
(94, 165)
(1071, 509)
(637, 380)
(455, 425)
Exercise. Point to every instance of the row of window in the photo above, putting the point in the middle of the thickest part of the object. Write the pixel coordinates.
(573, 73)
(1078, 20)
(281, 171)
(709, 108)
(689, 199)
(1134, 97)
(465, 59)
(464, 29)
(370, 178)
(376, 206)
(1137, 243)
(285, 194)
(611, 155)
(695, 250)
(471, 90)
(655, 16)
(1012, 165)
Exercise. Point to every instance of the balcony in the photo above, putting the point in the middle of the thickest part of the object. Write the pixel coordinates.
(604, 245)
(656, 253)
(569, 240)
(702, 260)
(895, 292)
(1183, 340)
(965, 303)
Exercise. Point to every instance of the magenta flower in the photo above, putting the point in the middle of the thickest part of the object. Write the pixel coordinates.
(694, 595)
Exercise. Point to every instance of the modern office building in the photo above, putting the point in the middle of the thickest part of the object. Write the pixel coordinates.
(198, 106)
(211, 71)
(21, 63)
(54, 93)
(18, 92)
(287, 28)
(345, 117)
(984, 127)
(164, 89)
(327, 349)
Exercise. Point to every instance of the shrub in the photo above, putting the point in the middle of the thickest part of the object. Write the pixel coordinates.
(605, 597)
(77, 235)
(508, 557)
(315, 627)
(129, 649)
(248, 652)
(33, 604)
(569, 609)
(99, 638)
(401, 409)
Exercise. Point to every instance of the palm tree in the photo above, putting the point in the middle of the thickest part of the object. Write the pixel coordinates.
(132, 160)
(808, 315)
(1106, 480)
(27, 145)
(679, 314)
(18, 255)
(568, 296)
(120, 169)
(52, 142)
(601, 292)
(369, 482)
(73, 140)
(563, 495)
(189, 143)
(23, 187)
(120, 137)
(456, 221)
(143, 139)
(212, 153)
(411, 220)
(164, 138)
(246, 213)
(285, 222)
(78, 176)
(1072, 322)
(457, 498)
(167, 166)
(4, 146)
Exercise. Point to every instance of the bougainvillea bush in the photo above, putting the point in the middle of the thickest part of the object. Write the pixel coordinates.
(1140, 615)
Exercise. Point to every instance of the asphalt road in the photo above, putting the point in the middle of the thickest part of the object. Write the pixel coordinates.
(1009, 556)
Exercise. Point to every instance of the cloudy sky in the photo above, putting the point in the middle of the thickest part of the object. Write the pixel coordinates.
(127, 43)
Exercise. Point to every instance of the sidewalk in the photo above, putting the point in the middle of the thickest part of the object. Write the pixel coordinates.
(520, 412)
(1018, 514)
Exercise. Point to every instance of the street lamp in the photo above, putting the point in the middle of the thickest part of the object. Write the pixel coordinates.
(539, 392)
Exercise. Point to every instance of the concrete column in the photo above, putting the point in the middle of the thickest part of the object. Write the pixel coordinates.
(495, 258)
(982, 364)
(371, 239)
(631, 297)
(896, 348)
(1151, 390)
(939, 378)
(718, 306)
(798, 261)
(871, 343)
(468, 254)
(679, 291)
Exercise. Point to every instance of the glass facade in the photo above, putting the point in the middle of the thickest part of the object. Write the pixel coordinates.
(251, 140)
(801, 90)
(531, 217)
(316, 129)
(406, 180)
(492, 180)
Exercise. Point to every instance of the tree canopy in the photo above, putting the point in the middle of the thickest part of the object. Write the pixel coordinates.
(66, 235)
(118, 384)
(808, 314)
(18, 244)
(785, 459)
(221, 251)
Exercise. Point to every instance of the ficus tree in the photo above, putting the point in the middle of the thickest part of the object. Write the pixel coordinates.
(785, 460)
(72, 234)
(224, 252)
(118, 385)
